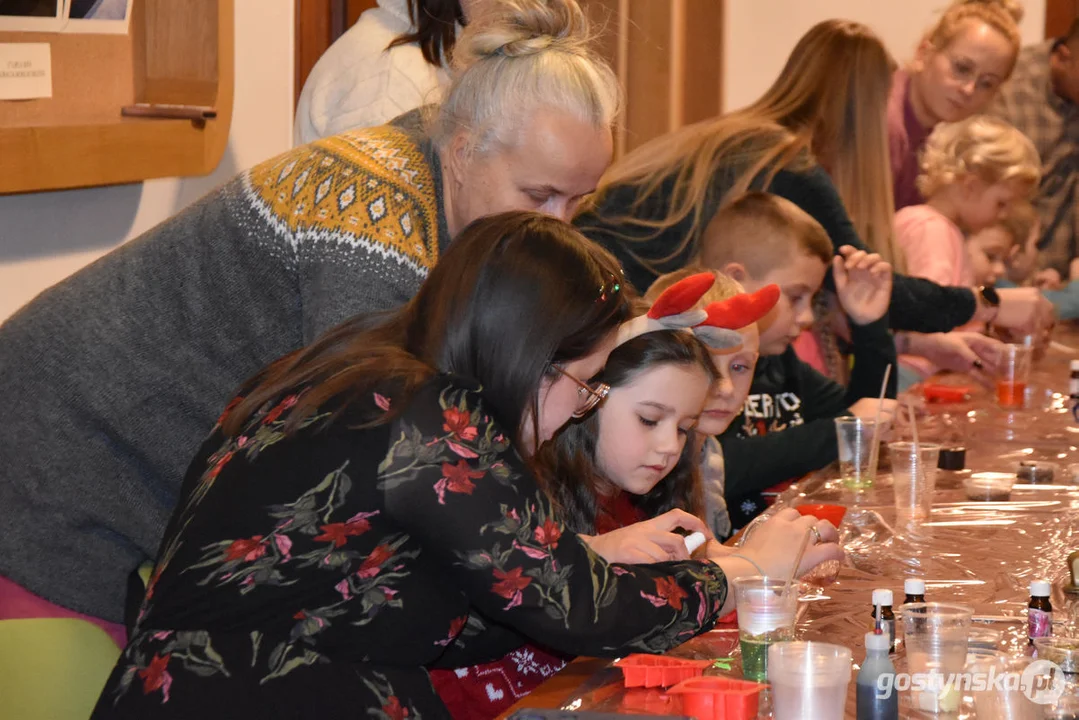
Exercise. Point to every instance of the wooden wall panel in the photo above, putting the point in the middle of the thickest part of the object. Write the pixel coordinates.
(703, 81)
(1059, 15)
(318, 24)
(669, 58)
(648, 72)
(314, 34)
(668, 55)
(353, 9)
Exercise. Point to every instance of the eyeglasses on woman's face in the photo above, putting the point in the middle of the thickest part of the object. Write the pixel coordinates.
(589, 395)
(966, 73)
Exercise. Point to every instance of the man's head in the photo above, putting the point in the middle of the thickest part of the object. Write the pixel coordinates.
(761, 239)
(1064, 65)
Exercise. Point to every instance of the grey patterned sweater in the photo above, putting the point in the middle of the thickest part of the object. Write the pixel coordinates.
(113, 377)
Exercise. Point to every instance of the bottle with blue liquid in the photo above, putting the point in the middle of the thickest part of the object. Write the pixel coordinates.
(877, 698)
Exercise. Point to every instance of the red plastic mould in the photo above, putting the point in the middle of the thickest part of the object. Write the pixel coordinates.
(832, 513)
(939, 393)
(648, 671)
(718, 698)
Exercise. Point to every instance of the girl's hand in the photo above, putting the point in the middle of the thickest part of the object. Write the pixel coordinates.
(715, 549)
(649, 541)
(773, 543)
(863, 283)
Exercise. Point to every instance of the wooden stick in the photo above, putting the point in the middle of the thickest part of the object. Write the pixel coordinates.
(797, 561)
(921, 477)
(874, 451)
(913, 423)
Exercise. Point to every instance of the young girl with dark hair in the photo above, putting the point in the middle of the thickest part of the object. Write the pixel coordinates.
(623, 474)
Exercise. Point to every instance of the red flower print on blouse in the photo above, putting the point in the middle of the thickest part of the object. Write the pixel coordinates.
(548, 533)
(281, 407)
(510, 582)
(248, 548)
(216, 469)
(373, 562)
(456, 478)
(668, 589)
(340, 532)
(154, 676)
(457, 422)
(509, 585)
(456, 625)
(228, 408)
(393, 708)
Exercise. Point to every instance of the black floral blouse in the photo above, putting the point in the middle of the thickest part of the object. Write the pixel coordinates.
(323, 572)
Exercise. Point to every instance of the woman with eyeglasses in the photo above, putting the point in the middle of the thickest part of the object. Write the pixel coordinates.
(366, 506)
(957, 69)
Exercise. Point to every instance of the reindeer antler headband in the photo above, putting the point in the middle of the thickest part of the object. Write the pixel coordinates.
(716, 324)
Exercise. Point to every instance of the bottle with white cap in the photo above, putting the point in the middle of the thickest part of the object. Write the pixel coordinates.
(1073, 389)
(914, 590)
(1039, 610)
(883, 617)
(877, 696)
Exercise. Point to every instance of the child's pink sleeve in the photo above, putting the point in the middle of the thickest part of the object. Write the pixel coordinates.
(932, 245)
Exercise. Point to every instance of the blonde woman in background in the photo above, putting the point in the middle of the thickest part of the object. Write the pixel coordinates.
(957, 70)
(818, 138)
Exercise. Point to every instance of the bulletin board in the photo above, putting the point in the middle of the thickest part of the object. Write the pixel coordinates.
(177, 52)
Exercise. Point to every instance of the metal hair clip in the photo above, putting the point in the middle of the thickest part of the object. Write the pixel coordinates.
(611, 288)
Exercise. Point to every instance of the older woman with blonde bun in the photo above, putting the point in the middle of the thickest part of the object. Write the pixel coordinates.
(117, 373)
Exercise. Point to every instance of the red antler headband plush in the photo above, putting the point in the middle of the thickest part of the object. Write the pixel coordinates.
(716, 324)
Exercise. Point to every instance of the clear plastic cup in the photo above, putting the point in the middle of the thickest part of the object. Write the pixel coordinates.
(935, 637)
(1013, 374)
(766, 612)
(809, 680)
(998, 700)
(914, 478)
(855, 436)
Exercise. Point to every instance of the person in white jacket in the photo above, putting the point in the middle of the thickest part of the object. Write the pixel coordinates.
(391, 61)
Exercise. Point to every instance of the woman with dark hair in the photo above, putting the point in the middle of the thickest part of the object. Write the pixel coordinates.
(394, 59)
(364, 496)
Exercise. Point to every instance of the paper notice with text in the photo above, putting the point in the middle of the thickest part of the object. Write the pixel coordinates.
(25, 71)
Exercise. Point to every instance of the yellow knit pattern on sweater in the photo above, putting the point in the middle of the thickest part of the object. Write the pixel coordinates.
(369, 188)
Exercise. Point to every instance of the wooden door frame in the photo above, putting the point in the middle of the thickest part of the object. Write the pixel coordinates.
(667, 54)
(1059, 15)
(318, 24)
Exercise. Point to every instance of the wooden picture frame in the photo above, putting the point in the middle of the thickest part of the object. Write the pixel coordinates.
(177, 52)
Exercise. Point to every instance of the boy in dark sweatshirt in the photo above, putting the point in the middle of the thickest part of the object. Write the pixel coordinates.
(787, 426)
